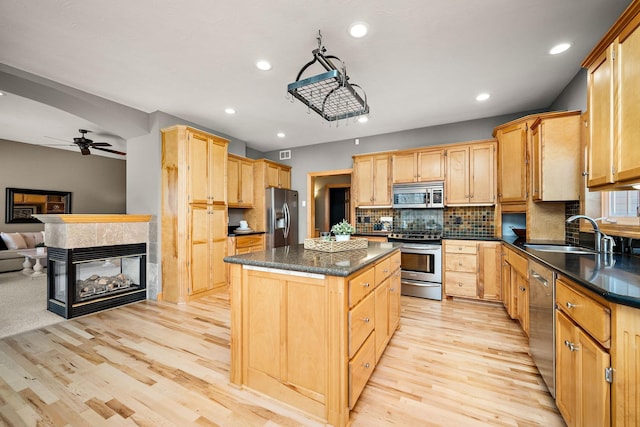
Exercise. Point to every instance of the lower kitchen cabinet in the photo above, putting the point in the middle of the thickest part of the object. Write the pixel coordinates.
(521, 284)
(515, 285)
(582, 391)
(246, 244)
(472, 269)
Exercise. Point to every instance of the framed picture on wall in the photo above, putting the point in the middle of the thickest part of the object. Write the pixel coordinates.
(24, 212)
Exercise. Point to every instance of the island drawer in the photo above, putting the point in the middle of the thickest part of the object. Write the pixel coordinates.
(460, 284)
(382, 270)
(361, 323)
(361, 285)
(461, 262)
(592, 316)
(360, 369)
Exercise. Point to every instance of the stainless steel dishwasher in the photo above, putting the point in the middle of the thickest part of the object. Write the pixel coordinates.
(542, 336)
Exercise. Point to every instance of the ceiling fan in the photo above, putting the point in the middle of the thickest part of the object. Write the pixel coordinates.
(85, 143)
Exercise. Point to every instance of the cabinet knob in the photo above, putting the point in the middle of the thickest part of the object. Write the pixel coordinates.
(460, 263)
(570, 305)
(392, 289)
(460, 284)
(366, 365)
(366, 320)
(522, 288)
(365, 284)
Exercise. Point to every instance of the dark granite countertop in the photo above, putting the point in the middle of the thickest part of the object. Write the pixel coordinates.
(297, 258)
(615, 277)
(486, 239)
(372, 233)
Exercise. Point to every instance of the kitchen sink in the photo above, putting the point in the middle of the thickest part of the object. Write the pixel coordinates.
(567, 249)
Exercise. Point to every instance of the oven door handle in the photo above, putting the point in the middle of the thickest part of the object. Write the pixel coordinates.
(419, 251)
(420, 283)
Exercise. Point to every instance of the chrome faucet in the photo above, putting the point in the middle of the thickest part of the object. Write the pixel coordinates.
(599, 234)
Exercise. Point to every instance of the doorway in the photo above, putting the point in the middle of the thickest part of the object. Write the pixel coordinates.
(327, 192)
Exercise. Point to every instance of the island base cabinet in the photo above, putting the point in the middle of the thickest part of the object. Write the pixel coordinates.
(625, 357)
(312, 340)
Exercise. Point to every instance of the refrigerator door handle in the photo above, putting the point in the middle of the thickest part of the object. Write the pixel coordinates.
(287, 220)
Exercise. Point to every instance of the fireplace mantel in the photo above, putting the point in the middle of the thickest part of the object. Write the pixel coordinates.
(71, 231)
(90, 218)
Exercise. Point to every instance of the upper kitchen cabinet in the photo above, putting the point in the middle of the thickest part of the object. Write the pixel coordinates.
(418, 166)
(371, 181)
(613, 102)
(470, 174)
(512, 162)
(275, 174)
(555, 158)
(207, 159)
(239, 182)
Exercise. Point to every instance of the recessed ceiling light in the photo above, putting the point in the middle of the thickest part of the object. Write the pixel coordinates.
(263, 65)
(2, 93)
(559, 48)
(363, 119)
(281, 135)
(358, 30)
(483, 97)
(636, 186)
(229, 110)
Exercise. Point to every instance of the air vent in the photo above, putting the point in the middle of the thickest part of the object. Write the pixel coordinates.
(285, 154)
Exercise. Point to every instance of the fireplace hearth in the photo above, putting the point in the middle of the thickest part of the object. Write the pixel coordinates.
(86, 280)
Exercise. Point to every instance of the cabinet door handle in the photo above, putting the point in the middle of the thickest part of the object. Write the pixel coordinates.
(570, 305)
(570, 345)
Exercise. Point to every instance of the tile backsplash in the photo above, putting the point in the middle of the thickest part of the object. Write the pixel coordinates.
(469, 221)
(572, 229)
(463, 221)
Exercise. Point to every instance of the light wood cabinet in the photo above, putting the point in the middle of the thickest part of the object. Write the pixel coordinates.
(613, 102)
(418, 166)
(470, 174)
(239, 182)
(515, 285)
(512, 162)
(555, 159)
(238, 244)
(193, 214)
(272, 174)
(206, 171)
(312, 342)
(472, 269)
(266, 173)
(371, 180)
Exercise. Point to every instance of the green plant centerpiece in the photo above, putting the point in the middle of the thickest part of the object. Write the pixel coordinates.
(343, 230)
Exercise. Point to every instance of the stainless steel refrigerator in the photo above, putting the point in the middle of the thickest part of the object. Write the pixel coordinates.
(282, 217)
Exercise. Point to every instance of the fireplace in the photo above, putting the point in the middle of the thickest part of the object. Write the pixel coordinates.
(89, 279)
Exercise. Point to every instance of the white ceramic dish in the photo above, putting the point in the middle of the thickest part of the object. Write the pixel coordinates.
(243, 230)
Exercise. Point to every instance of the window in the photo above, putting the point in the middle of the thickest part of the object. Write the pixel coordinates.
(621, 208)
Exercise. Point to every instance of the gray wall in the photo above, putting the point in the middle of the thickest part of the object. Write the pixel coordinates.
(574, 95)
(97, 184)
(337, 155)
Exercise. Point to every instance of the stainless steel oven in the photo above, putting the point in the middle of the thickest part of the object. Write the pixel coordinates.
(421, 270)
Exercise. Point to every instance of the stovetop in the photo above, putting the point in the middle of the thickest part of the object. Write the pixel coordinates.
(433, 235)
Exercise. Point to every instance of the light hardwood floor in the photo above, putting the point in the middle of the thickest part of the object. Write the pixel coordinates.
(452, 363)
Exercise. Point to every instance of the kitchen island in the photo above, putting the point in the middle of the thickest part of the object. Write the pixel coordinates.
(308, 327)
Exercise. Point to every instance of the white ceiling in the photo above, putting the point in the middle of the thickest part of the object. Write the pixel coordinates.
(422, 64)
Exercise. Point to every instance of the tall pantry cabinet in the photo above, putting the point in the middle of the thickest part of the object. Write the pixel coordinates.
(194, 213)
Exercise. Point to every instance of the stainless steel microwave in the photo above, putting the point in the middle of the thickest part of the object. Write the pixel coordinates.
(418, 196)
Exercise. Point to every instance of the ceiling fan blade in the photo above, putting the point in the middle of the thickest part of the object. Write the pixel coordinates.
(100, 144)
(110, 151)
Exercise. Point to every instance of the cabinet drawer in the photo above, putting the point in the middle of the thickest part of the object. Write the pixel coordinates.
(460, 284)
(460, 247)
(382, 270)
(360, 369)
(361, 285)
(395, 261)
(246, 241)
(461, 262)
(592, 316)
(361, 323)
(518, 263)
